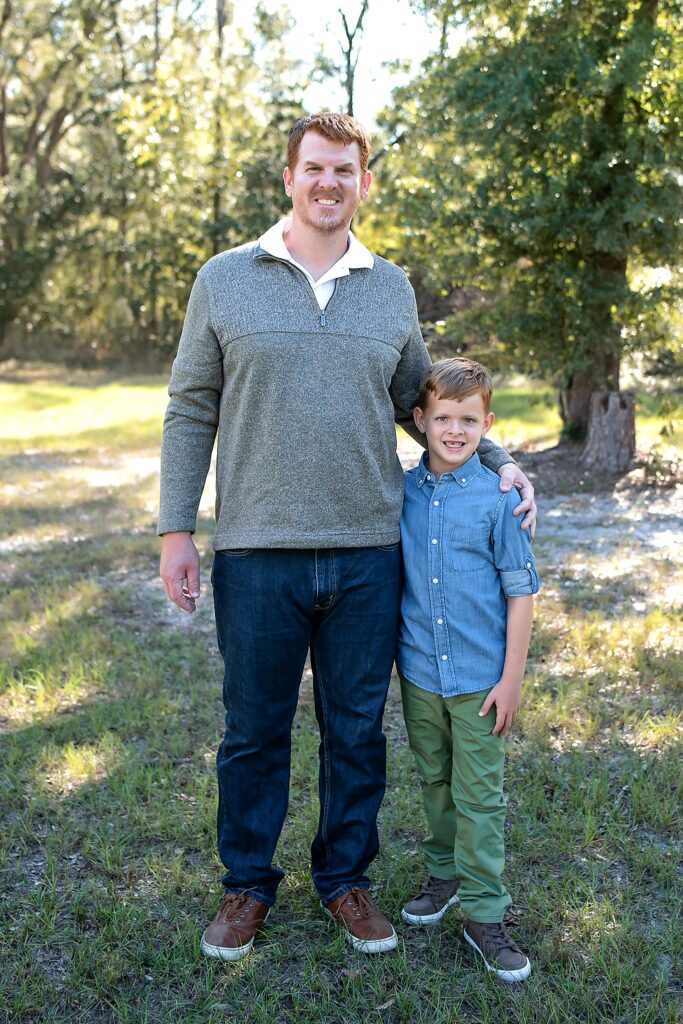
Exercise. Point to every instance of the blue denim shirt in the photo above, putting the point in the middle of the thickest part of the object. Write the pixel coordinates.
(464, 554)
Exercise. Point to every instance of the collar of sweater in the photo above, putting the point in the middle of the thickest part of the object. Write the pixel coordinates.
(356, 256)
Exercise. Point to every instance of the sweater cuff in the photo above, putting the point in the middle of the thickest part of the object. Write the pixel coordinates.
(167, 524)
(493, 456)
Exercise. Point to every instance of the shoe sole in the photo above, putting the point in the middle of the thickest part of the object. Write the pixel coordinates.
(364, 945)
(231, 954)
(508, 976)
(429, 918)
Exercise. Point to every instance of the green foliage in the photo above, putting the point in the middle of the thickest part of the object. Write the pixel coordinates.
(134, 148)
(540, 167)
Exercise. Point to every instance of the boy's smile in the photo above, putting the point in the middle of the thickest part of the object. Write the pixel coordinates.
(454, 428)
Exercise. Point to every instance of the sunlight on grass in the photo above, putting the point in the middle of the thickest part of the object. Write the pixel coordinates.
(54, 614)
(654, 734)
(526, 415)
(660, 421)
(64, 769)
(597, 915)
(59, 417)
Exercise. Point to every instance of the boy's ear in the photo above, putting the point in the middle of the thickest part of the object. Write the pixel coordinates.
(419, 418)
(489, 420)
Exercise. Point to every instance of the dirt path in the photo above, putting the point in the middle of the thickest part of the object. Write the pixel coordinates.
(610, 540)
(621, 548)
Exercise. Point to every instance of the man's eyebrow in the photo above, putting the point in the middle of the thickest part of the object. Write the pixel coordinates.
(317, 163)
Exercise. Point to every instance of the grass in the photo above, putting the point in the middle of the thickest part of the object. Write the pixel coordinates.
(110, 707)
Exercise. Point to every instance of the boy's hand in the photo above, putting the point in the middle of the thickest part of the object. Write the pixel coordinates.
(508, 699)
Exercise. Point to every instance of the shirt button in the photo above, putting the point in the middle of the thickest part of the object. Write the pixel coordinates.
(528, 565)
(440, 622)
(444, 657)
(436, 503)
(464, 479)
(435, 580)
(434, 540)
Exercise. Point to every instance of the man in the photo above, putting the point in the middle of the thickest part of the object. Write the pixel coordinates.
(299, 349)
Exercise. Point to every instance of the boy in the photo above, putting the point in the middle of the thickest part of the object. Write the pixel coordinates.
(466, 614)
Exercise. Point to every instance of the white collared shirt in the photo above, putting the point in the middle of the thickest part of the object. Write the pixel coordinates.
(355, 258)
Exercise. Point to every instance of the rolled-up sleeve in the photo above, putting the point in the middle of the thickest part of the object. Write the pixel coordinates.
(512, 550)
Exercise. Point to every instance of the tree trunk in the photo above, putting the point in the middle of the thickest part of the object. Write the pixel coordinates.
(351, 57)
(611, 440)
(575, 399)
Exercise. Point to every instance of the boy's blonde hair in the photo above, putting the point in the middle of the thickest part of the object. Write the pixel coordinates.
(457, 378)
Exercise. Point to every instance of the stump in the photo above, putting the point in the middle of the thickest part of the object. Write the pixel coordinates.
(611, 436)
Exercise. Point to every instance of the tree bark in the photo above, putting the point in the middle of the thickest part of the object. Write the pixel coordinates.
(602, 373)
(223, 17)
(611, 440)
(351, 58)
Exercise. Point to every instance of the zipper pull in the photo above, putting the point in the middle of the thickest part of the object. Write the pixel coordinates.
(323, 318)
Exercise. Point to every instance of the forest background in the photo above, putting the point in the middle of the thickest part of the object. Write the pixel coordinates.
(527, 176)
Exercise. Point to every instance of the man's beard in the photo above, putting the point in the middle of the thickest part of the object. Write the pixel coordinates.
(328, 222)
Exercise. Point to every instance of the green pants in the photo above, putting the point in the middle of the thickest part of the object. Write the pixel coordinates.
(460, 765)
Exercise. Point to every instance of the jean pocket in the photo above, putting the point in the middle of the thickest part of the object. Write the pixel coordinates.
(236, 552)
(470, 549)
(389, 547)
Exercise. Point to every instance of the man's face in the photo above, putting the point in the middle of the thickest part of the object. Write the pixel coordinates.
(326, 186)
(454, 428)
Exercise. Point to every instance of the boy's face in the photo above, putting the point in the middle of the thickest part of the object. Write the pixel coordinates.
(454, 428)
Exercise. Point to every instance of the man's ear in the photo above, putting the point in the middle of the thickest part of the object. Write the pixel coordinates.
(287, 178)
(365, 185)
(419, 417)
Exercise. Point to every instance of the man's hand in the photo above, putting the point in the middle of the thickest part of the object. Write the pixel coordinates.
(179, 569)
(512, 476)
(508, 698)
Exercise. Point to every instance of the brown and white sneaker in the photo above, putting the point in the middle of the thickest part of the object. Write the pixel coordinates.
(432, 901)
(231, 934)
(366, 927)
(498, 950)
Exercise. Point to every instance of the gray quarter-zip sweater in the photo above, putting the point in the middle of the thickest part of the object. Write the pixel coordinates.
(304, 403)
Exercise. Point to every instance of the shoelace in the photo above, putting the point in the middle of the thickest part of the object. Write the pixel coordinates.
(497, 938)
(437, 887)
(359, 898)
(231, 905)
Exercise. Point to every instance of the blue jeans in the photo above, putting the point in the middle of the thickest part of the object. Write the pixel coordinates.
(271, 606)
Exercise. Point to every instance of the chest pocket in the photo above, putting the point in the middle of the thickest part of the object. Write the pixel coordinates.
(470, 549)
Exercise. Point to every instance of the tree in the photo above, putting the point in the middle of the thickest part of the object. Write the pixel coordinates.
(541, 169)
(52, 80)
(171, 150)
(327, 68)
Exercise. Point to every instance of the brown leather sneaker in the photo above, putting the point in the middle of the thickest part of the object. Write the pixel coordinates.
(498, 950)
(366, 927)
(230, 935)
(432, 901)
